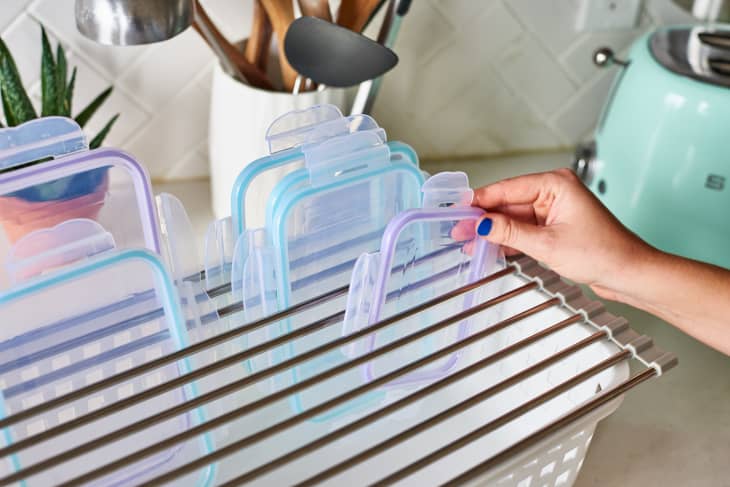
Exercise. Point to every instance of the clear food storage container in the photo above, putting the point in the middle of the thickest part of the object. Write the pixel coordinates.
(75, 327)
(49, 177)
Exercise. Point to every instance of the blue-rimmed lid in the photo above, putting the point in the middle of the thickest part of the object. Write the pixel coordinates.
(81, 324)
(349, 189)
(353, 189)
(286, 138)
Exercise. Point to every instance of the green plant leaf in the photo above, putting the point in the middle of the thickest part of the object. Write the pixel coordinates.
(49, 79)
(97, 141)
(62, 101)
(6, 108)
(69, 92)
(83, 117)
(16, 101)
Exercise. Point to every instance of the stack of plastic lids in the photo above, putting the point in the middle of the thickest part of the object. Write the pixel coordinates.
(285, 138)
(77, 326)
(419, 260)
(89, 297)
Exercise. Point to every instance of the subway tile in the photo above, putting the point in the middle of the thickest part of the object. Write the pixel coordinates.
(665, 12)
(10, 10)
(424, 32)
(89, 83)
(552, 21)
(233, 17)
(192, 166)
(578, 60)
(487, 34)
(463, 12)
(578, 118)
(510, 122)
(166, 68)
(536, 75)
(173, 132)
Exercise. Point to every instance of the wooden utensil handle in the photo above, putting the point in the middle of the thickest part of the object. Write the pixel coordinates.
(257, 47)
(353, 14)
(215, 39)
(316, 8)
(281, 15)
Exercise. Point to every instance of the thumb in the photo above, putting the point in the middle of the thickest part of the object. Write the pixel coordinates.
(503, 230)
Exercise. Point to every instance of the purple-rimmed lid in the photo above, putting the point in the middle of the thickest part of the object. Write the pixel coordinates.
(419, 259)
(43, 186)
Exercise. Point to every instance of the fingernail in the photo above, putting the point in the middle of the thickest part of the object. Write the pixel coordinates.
(485, 226)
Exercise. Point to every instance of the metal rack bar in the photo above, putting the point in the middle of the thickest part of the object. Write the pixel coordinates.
(263, 402)
(234, 359)
(424, 392)
(557, 295)
(316, 410)
(236, 385)
(169, 358)
(465, 405)
(216, 340)
(601, 399)
(503, 419)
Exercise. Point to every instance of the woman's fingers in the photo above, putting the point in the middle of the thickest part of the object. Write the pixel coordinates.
(463, 230)
(520, 190)
(509, 232)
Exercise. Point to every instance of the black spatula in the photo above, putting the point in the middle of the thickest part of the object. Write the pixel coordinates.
(334, 56)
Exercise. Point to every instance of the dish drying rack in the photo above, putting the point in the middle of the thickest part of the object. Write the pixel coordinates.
(518, 365)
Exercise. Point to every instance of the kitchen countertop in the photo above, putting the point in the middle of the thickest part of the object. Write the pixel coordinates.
(674, 430)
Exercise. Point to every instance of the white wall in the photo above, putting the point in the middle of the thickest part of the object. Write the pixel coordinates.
(475, 77)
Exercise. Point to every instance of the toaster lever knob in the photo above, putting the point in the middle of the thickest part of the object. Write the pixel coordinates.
(603, 56)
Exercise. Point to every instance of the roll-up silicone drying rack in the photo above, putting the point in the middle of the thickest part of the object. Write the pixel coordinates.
(343, 339)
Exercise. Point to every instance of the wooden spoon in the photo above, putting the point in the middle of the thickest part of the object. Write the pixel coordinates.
(232, 59)
(353, 14)
(257, 47)
(281, 14)
(316, 8)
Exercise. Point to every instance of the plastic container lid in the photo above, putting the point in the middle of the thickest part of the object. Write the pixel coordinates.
(77, 326)
(350, 188)
(286, 137)
(105, 186)
(419, 260)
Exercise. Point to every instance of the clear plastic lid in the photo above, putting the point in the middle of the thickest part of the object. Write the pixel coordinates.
(419, 260)
(335, 209)
(353, 188)
(286, 137)
(42, 185)
(79, 325)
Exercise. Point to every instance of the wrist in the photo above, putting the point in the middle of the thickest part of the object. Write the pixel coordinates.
(635, 276)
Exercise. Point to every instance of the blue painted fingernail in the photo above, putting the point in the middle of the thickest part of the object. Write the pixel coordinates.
(485, 226)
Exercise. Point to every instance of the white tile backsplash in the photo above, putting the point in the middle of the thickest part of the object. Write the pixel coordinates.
(475, 77)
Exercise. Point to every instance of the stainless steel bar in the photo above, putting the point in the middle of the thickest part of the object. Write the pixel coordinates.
(603, 398)
(351, 394)
(233, 386)
(169, 358)
(210, 342)
(202, 372)
(420, 394)
(503, 419)
(172, 384)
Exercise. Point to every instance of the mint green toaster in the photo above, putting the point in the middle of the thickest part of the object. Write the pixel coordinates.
(660, 159)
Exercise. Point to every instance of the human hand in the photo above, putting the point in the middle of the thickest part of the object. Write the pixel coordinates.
(553, 218)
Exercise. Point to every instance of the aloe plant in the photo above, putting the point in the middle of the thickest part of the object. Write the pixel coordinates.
(57, 90)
